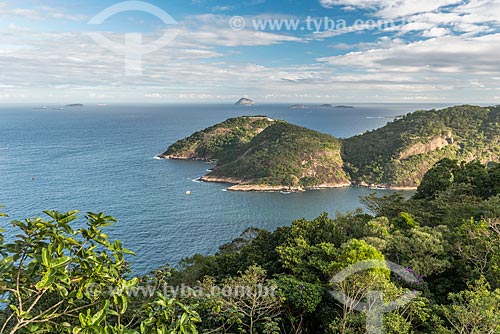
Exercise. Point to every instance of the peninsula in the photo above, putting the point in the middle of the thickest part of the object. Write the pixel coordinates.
(257, 153)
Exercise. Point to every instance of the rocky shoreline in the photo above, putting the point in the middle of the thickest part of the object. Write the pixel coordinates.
(244, 186)
(240, 185)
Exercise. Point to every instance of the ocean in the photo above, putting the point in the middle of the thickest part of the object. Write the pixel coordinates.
(102, 158)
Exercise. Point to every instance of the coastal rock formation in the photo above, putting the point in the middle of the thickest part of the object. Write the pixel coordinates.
(435, 143)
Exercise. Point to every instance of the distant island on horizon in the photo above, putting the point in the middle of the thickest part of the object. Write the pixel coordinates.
(318, 106)
(245, 102)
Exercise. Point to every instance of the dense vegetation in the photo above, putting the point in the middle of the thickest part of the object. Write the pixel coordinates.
(222, 142)
(55, 279)
(286, 154)
(402, 151)
(258, 150)
(398, 154)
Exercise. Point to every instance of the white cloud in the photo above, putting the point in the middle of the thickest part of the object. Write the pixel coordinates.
(215, 30)
(436, 32)
(39, 13)
(430, 17)
(198, 66)
(450, 54)
(391, 8)
(232, 38)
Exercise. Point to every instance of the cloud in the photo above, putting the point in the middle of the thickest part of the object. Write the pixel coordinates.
(231, 38)
(436, 32)
(392, 9)
(39, 13)
(214, 30)
(429, 18)
(36, 66)
(198, 65)
(449, 54)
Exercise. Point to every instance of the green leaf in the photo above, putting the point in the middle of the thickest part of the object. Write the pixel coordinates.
(99, 316)
(45, 257)
(83, 320)
(5, 264)
(46, 280)
(61, 262)
(124, 300)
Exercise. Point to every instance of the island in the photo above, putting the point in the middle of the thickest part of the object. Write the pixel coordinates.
(310, 106)
(74, 105)
(344, 107)
(245, 102)
(257, 153)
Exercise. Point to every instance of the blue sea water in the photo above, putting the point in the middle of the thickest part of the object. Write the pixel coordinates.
(102, 159)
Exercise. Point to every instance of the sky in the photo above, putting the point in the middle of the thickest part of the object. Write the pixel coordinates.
(217, 51)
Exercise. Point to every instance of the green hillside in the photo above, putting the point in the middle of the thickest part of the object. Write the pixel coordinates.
(402, 151)
(259, 151)
(222, 142)
(288, 155)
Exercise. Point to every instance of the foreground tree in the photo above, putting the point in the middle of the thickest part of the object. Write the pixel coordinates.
(55, 279)
(473, 311)
(248, 303)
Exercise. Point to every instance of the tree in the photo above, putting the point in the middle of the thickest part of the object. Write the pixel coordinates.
(247, 304)
(478, 244)
(57, 279)
(438, 178)
(300, 299)
(357, 287)
(474, 311)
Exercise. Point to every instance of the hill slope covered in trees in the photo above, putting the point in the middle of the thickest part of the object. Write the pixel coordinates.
(401, 152)
(257, 153)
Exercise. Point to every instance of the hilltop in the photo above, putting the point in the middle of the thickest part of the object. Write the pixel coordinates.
(222, 142)
(258, 153)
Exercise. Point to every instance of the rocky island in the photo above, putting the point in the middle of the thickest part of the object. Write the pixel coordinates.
(245, 102)
(310, 106)
(319, 106)
(257, 153)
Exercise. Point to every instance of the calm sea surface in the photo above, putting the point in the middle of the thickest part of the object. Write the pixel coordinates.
(102, 159)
